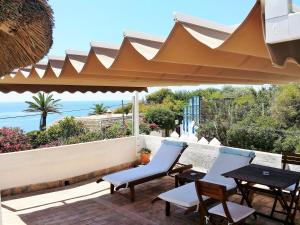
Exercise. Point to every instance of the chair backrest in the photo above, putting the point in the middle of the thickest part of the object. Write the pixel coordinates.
(211, 190)
(215, 192)
(290, 159)
(167, 155)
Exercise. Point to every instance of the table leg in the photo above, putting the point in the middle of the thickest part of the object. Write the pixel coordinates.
(274, 205)
(243, 192)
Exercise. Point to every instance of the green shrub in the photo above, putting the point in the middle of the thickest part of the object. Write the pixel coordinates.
(211, 130)
(253, 137)
(69, 127)
(145, 128)
(116, 130)
(38, 138)
(164, 118)
(127, 108)
(88, 136)
(290, 144)
(58, 134)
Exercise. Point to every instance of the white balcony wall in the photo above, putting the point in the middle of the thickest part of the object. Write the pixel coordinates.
(202, 156)
(57, 163)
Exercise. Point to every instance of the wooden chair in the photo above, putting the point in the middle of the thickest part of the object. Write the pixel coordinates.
(286, 160)
(232, 213)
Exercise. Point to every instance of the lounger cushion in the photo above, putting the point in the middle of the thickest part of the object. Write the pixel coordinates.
(184, 195)
(226, 161)
(237, 151)
(238, 212)
(162, 161)
(292, 188)
(125, 176)
(167, 154)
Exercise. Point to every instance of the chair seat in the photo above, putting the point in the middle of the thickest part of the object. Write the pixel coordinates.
(237, 212)
(291, 188)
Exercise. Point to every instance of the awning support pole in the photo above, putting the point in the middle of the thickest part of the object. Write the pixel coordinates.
(136, 120)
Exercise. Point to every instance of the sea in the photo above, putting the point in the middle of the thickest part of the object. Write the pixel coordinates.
(12, 113)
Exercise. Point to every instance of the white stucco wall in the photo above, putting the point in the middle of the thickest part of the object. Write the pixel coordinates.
(58, 163)
(202, 156)
(52, 164)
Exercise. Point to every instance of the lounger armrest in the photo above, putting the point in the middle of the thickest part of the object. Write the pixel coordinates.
(179, 168)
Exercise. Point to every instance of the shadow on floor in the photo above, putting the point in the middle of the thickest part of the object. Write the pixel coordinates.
(101, 208)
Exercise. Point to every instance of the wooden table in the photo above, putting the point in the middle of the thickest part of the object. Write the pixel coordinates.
(275, 179)
(188, 177)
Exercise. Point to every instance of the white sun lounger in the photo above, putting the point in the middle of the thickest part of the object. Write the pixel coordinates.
(161, 165)
(228, 159)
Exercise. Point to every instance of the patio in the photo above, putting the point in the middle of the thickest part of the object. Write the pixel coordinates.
(90, 203)
(213, 54)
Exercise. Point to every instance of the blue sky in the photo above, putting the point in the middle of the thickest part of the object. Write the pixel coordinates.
(81, 21)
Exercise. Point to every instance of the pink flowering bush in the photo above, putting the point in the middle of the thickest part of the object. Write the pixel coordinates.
(153, 126)
(51, 144)
(13, 140)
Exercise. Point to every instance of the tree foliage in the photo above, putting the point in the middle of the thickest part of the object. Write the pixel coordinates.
(98, 109)
(44, 104)
(286, 105)
(126, 109)
(164, 118)
(267, 119)
(158, 96)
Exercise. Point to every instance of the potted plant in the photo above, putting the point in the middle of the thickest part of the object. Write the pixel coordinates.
(145, 155)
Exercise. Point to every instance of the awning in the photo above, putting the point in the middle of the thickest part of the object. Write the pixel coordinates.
(195, 52)
(25, 33)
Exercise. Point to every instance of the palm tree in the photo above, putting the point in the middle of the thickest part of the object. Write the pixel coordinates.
(98, 109)
(44, 104)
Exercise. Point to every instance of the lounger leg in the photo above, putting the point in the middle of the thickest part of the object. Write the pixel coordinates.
(112, 188)
(168, 208)
(132, 193)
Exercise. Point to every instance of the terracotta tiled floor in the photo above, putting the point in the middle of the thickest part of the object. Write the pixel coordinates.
(91, 203)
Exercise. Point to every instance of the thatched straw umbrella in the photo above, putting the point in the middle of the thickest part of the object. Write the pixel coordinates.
(25, 32)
